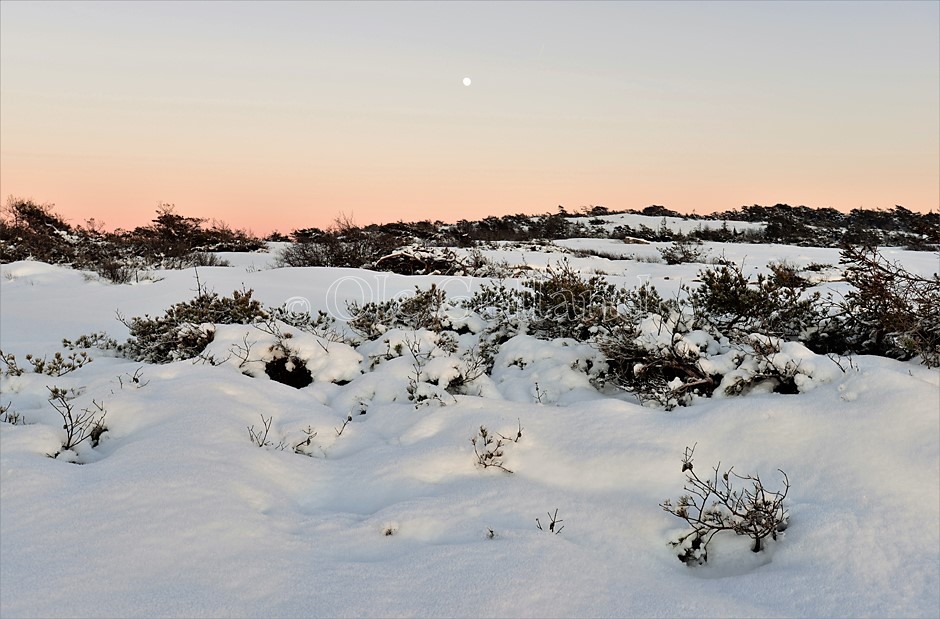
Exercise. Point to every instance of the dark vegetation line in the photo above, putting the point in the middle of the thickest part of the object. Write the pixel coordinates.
(30, 231)
(888, 311)
(35, 231)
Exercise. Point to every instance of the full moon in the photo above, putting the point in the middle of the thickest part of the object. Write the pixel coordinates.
(466, 81)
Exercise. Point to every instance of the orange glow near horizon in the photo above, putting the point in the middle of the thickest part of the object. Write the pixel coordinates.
(262, 205)
(286, 115)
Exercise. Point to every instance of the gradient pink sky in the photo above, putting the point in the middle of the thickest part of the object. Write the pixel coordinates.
(283, 115)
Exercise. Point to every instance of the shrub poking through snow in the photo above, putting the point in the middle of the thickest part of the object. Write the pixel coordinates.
(136, 379)
(682, 251)
(304, 445)
(553, 522)
(566, 304)
(322, 325)
(425, 386)
(97, 339)
(489, 449)
(425, 309)
(186, 328)
(57, 366)
(339, 431)
(669, 352)
(732, 303)
(11, 417)
(890, 312)
(12, 367)
(713, 504)
(260, 436)
(79, 426)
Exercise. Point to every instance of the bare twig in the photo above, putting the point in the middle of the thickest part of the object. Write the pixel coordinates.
(553, 520)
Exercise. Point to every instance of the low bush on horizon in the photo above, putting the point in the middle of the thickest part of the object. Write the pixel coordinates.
(31, 231)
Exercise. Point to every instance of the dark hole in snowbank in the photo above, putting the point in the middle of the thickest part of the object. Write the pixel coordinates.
(298, 376)
(787, 387)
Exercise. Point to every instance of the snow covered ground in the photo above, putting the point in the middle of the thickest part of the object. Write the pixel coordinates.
(674, 224)
(177, 513)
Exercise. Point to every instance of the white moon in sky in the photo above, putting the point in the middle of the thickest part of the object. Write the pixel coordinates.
(466, 81)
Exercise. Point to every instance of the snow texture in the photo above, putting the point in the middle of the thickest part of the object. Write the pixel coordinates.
(384, 512)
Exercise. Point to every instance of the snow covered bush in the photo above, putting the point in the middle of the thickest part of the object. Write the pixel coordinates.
(771, 364)
(658, 356)
(283, 353)
(503, 309)
(433, 365)
(671, 354)
(425, 309)
(527, 369)
(561, 303)
(322, 325)
(186, 328)
(713, 504)
(418, 260)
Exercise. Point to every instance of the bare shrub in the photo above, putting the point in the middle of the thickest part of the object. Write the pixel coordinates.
(713, 504)
(259, 437)
(489, 449)
(79, 426)
(11, 417)
(890, 312)
(553, 522)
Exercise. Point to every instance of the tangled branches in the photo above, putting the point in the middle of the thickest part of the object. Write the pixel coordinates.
(713, 504)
